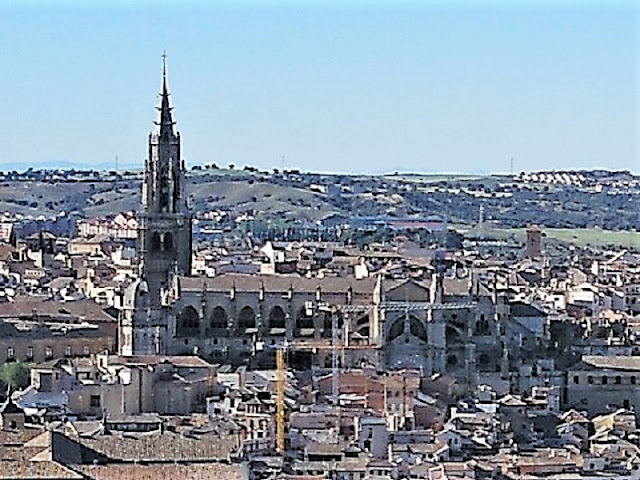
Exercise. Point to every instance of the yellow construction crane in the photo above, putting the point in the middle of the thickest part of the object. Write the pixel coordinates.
(337, 345)
(281, 351)
(280, 376)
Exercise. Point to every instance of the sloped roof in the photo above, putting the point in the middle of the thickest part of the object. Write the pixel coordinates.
(30, 305)
(408, 285)
(162, 472)
(573, 416)
(160, 447)
(277, 283)
(183, 361)
(612, 362)
(9, 407)
(522, 309)
(36, 470)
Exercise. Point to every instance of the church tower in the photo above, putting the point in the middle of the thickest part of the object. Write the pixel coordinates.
(164, 225)
(164, 237)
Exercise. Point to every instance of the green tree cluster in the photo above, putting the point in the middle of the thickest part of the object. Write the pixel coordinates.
(14, 375)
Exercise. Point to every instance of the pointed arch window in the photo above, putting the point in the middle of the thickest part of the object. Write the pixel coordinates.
(156, 242)
(218, 318)
(188, 322)
(168, 242)
(247, 318)
(277, 319)
(304, 323)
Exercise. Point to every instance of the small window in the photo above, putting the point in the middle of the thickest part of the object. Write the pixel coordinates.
(156, 243)
(30, 353)
(86, 350)
(590, 379)
(618, 380)
(576, 379)
(10, 353)
(167, 242)
(605, 380)
(633, 379)
(48, 352)
(94, 401)
(67, 351)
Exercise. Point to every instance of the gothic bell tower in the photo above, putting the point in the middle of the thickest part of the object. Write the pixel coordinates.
(164, 229)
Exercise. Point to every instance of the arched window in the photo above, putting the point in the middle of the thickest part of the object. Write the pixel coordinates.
(397, 329)
(304, 323)
(326, 325)
(482, 326)
(156, 243)
(247, 318)
(188, 322)
(168, 241)
(218, 318)
(457, 322)
(417, 328)
(277, 318)
(362, 325)
(363, 320)
(452, 335)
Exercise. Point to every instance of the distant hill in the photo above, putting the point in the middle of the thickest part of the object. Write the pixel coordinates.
(607, 200)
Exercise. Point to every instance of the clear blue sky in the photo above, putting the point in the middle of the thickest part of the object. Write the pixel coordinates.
(348, 86)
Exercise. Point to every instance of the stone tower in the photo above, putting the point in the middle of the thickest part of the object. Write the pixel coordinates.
(164, 237)
(533, 247)
(164, 224)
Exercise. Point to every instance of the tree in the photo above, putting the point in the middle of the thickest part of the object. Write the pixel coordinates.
(15, 375)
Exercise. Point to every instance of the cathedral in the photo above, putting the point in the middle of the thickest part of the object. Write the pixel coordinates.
(164, 237)
(439, 325)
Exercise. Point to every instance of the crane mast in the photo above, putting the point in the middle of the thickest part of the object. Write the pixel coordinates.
(337, 346)
(335, 368)
(280, 376)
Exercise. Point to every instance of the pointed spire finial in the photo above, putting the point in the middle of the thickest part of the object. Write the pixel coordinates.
(165, 121)
(164, 64)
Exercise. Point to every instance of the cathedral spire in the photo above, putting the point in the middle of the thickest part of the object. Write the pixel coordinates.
(165, 121)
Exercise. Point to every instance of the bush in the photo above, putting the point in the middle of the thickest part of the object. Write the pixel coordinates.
(14, 375)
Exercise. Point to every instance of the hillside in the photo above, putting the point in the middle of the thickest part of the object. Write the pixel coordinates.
(606, 201)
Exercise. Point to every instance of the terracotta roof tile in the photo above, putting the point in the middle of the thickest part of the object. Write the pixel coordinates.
(161, 447)
(36, 470)
(278, 283)
(28, 305)
(162, 472)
